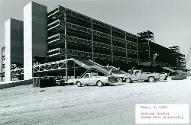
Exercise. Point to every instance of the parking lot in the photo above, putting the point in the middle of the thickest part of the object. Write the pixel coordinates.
(89, 105)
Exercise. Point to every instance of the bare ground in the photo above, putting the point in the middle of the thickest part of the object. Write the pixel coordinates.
(90, 105)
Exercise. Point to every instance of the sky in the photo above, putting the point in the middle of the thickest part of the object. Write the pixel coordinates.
(169, 20)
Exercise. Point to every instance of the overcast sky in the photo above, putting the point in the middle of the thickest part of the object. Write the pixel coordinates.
(169, 20)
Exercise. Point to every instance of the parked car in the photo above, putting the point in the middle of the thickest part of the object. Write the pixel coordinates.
(139, 75)
(92, 79)
(179, 77)
(136, 75)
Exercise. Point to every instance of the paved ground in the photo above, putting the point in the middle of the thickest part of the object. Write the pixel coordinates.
(91, 105)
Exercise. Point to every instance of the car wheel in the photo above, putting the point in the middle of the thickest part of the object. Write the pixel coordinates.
(78, 83)
(128, 80)
(151, 79)
(99, 83)
(120, 80)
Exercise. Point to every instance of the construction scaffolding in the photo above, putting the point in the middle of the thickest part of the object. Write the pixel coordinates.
(180, 58)
(78, 36)
(152, 54)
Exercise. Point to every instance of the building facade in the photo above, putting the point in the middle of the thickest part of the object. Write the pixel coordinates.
(63, 33)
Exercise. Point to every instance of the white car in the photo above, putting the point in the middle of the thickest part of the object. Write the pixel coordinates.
(138, 75)
(92, 79)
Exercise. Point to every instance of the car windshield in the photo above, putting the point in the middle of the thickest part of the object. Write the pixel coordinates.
(86, 76)
(116, 71)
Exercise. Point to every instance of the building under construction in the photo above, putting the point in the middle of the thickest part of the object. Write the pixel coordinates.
(155, 56)
(51, 38)
(73, 35)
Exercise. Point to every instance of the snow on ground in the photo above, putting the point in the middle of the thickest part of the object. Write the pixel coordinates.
(90, 105)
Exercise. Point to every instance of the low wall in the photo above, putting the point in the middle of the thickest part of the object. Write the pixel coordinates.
(44, 82)
(15, 83)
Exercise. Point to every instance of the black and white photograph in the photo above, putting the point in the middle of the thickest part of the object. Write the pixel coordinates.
(95, 62)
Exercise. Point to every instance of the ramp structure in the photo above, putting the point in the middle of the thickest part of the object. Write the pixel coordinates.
(72, 63)
(169, 69)
(61, 65)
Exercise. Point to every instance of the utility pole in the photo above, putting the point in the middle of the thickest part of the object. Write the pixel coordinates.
(111, 45)
(92, 39)
(149, 45)
(65, 42)
(137, 50)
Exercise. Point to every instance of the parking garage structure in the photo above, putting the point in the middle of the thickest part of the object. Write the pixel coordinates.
(74, 35)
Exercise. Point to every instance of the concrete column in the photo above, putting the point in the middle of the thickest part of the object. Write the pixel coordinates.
(35, 35)
(13, 45)
(8, 50)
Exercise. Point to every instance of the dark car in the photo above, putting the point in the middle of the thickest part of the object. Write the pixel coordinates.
(179, 77)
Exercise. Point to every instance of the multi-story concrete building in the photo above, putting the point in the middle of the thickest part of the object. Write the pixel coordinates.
(13, 46)
(63, 33)
(35, 35)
